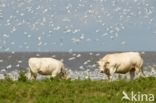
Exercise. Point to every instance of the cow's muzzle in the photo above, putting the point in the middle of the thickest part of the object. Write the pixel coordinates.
(102, 71)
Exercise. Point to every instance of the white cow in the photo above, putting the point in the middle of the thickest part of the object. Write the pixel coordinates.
(121, 63)
(46, 66)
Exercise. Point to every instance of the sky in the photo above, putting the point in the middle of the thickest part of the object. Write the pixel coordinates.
(77, 25)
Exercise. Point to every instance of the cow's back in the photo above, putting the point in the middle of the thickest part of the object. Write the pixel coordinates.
(125, 57)
(132, 58)
(50, 63)
(125, 60)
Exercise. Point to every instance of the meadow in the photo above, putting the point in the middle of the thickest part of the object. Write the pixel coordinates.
(72, 91)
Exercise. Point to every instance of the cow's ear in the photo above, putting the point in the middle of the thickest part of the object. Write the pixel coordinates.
(106, 64)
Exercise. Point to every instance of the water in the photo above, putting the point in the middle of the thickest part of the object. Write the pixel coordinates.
(79, 64)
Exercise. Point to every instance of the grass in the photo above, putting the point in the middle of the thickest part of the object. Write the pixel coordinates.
(67, 91)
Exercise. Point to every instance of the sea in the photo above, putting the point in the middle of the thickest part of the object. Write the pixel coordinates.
(79, 64)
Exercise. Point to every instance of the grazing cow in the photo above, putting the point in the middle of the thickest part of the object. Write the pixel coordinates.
(46, 66)
(121, 63)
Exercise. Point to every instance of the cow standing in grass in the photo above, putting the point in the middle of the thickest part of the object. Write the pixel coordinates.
(46, 66)
(121, 63)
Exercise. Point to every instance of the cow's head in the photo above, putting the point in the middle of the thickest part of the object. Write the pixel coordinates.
(64, 74)
(106, 67)
(100, 64)
(103, 66)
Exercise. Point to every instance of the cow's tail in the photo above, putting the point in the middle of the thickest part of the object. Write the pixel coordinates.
(142, 71)
(62, 71)
(31, 75)
(141, 65)
(28, 72)
(141, 54)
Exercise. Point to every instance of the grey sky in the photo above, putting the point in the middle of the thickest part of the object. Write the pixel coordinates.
(77, 25)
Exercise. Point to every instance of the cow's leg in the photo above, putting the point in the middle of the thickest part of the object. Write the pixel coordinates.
(110, 77)
(132, 74)
(54, 74)
(33, 75)
(142, 73)
(138, 72)
(111, 72)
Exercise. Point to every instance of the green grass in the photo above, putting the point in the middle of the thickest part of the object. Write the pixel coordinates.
(77, 91)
